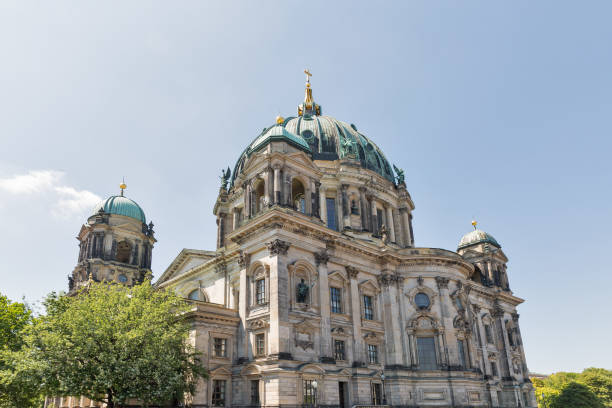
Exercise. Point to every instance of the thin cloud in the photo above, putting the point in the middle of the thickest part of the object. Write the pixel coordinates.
(33, 182)
(67, 201)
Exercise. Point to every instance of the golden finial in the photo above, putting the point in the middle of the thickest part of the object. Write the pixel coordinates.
(474, 223)
(122, 186)
(280, 120)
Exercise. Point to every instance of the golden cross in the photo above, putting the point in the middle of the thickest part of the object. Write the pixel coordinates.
(308, 75)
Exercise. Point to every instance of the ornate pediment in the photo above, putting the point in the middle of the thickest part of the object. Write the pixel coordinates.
(258, 324)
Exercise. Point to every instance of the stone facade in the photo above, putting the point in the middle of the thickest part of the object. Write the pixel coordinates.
(317, 295)
(344, 311)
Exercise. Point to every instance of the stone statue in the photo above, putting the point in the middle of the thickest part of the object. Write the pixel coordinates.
(302, 291)
(400, 174)
(225, 175)
(347, 147)
(384, 234)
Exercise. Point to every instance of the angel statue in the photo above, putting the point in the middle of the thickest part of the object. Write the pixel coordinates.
(225, 175)
(400, 174)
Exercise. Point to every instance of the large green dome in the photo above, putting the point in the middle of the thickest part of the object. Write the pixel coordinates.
(322, 138)
(121, 205)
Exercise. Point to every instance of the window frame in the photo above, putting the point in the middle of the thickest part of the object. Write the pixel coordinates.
(333, 220)
(309, 393)
(254, 385)
(335, 302)
(260, 291)
(257, 351)
(368, 312)
(224, 344)
(372, 351)
(421, 352)
(215, 393)
(339, 351)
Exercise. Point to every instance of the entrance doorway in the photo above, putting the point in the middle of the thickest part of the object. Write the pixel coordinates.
(343, 394)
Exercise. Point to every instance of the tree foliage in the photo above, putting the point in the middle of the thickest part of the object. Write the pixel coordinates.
(114, 344)
(16, 390)
(591, 388)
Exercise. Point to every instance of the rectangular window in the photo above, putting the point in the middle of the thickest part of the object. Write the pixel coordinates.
(488, 334)
(426, 349)
(260, 291)
(331, 213)
(493, 369)
(376, 394)
(460, 346)
(310, 393)
(368, 308)
(335, 295)
(260, 344)
(220, 349)
(218, 395)
(379, 219)
(255, 392)
(372, 354)
(339, 350)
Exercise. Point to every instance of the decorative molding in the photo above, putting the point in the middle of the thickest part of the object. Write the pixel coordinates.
(258, 324)
(278, 247)
(442, 282)
(244, 259)
(420, 280)
(352, 272)
(387, 279)
(321, 257)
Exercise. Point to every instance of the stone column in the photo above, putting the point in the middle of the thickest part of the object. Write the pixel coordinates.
(235, 220)
(397, 223)
(483, 341)
(277, 184)
(358, 345)
(280, 327)
(321, 259)
(374, 217)
(339, 214)
(316, 200)
(346, 212)
(390, 225)
(391, 319)
(505, 356)
(269, 187)
(242, 340)
(363, 209)
(452, 353)
(410, 230)
(323, 205)
(405, 226)
(247, 200)
(221, 230)
(408, 361)
(519, 341)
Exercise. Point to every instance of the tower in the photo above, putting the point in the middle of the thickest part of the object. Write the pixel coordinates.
(115, 244)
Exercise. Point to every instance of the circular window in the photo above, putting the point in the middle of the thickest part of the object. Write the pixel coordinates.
(122, 278)
(422, 300)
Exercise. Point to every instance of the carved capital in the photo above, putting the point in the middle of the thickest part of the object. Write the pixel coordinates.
(244, 259)
(363, 189)
(321, 257)
(476, 309)
(278, 247)
(387, 279)
(442, 282)
(352, 272)
(420, 280)
(515, 317)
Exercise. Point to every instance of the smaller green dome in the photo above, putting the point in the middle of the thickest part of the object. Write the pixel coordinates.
(121, 205)
(477, 237)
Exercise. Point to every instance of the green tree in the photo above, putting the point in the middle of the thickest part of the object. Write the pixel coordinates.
(115, 344)
(18, 383)
(599, 382)
(576, 395)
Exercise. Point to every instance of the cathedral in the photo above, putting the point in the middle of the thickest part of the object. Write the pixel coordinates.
(316, 294)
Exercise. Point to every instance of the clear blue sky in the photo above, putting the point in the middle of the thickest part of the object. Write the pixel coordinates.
(496, 110)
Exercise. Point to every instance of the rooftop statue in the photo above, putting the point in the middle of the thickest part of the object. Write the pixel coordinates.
(400, 174)
(225, 176)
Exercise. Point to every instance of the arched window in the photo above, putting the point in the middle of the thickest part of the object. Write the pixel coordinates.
(298, 197)
(195, 295)
(124, 249)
